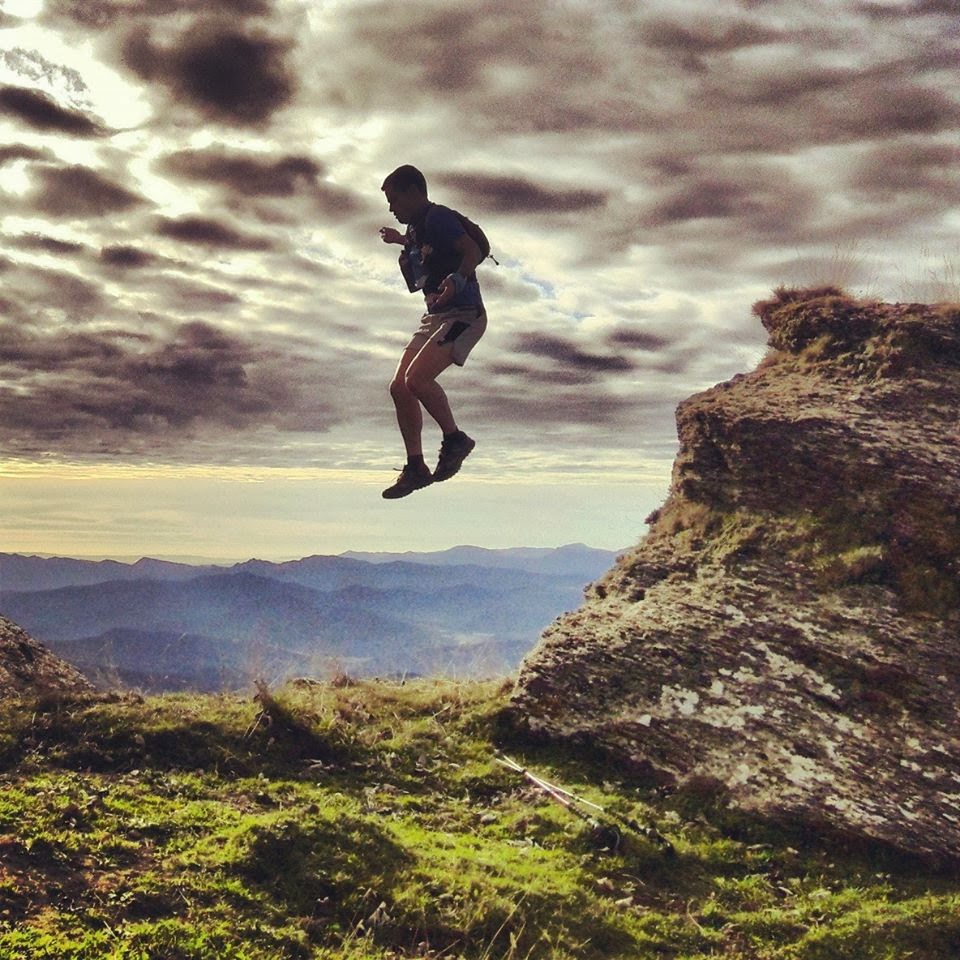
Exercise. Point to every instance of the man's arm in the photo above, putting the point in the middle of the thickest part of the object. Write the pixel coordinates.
(467, 247)
(470, 257)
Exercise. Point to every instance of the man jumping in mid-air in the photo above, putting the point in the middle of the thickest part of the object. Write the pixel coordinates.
(440, 258)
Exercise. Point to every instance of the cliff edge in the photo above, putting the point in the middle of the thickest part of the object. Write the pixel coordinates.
(788, 632)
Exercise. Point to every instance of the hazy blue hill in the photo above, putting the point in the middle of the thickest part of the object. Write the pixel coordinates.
(238, 606)
(319, 572)
(19, 572)
(574, 559)
(160, 660)
(162, 625)
(225, 604)
(335, 573)
(510, 609)
(222, 631)
(461, 565)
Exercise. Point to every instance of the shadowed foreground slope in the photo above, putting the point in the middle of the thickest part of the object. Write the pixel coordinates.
(372, 821)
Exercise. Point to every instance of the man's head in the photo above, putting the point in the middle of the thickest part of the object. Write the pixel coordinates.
(406, 192)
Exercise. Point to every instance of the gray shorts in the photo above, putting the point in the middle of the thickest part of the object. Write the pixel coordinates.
(462, 327)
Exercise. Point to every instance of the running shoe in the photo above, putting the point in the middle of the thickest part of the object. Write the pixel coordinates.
(410, 479)
(452, 454)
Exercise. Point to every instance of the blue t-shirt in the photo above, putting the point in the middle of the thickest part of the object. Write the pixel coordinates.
(433, 257)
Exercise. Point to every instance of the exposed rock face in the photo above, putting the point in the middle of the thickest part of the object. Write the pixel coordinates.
(789, 629)
(28, 669)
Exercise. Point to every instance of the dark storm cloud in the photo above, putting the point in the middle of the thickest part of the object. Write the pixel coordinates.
(233, 75)
(29, 352)
(433, 56)
(756, 201)
(708, 199)
(567, 405)
(210, 232)
(127, 390)
(607, 375)
(106, 13)
(902, 109)
(31, 293)
(122, 255)
(639, 340)
(246, 173)
(78, 191)
(447, 47)
(947, 8)
(519, 195)
(565, 352)
(532, 373)
(918, 8)
(15, 151)
(794, 83)
(46, 244)
(704, 86)
(723, 208)
(806, 102)
(41, 112)
(706, 36)
(248, 176)
(186, 297)
(930, 170)
(201, 358)
(114, 256)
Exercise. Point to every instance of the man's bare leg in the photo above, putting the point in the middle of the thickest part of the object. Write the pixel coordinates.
(415, 474)
(421, 382)
(413, 385)
(421, 376)
(409, 412)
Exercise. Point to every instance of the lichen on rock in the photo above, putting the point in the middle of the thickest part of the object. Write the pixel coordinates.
(789, 628)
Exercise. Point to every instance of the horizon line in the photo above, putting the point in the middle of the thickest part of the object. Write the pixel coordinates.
(197, 560)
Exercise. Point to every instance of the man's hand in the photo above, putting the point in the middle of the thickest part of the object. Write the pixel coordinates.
(390, 235)
(446, 292)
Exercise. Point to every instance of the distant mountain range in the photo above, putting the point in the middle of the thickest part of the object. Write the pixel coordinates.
(159, 625)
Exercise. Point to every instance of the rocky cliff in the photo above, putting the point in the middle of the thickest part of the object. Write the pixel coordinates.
(788, 632)
(28, 669)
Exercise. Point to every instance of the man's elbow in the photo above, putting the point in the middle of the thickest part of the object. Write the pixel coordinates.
(471, 251)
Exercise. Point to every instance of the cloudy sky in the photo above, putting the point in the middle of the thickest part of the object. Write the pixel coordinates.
(198, 320)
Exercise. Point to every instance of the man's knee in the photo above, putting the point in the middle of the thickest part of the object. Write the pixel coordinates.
(399, 388)
(416, 383)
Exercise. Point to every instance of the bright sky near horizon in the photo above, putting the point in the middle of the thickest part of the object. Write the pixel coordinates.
(198, 320)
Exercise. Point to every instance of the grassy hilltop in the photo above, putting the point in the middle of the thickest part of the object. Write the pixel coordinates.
(372, 820)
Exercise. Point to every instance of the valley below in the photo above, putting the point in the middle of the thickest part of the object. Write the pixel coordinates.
(159, 626)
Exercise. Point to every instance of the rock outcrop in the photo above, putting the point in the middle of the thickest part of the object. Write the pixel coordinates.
(28, 669)
(788, 632)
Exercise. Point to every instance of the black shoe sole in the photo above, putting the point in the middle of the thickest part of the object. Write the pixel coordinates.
(393, 493)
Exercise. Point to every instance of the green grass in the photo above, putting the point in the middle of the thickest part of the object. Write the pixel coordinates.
(372, 820)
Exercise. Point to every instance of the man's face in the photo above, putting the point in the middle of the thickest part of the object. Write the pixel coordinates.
(404, 204)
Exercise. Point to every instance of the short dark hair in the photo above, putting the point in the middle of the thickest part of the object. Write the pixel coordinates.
(405, 177)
